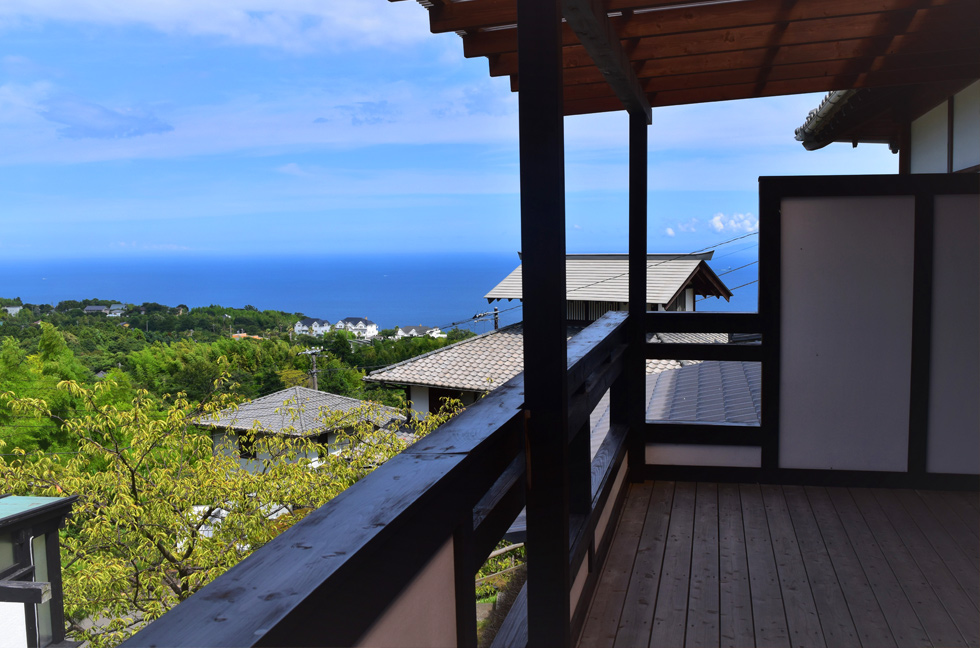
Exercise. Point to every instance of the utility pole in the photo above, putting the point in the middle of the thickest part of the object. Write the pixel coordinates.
(313, 353)
(496, 318)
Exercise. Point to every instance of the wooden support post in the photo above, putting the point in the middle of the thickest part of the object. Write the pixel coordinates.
(545, 350)
(636, 358)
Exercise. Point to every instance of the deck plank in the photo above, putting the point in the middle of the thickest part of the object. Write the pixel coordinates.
(768, 613)
(962, 534)
(902, 621)
(951, 596)
(702, 614)
(602, 620)
(940, 627)
(801, 610)
(834, 616)
(670, 615)
(959, 564)
(636, 621)
(735, 597)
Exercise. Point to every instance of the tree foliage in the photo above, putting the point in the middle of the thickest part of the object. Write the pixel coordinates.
(165, 513)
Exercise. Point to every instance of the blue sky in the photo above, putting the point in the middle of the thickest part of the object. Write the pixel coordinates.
(261, 127)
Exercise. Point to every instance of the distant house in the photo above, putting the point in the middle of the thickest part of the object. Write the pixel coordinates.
(470, 368)
(597, 283)
(116, 310)
(12, 310)
(295, 412)
(311, 326)
(96, 310)
(360, 326)
(242, 335)
(418, 331)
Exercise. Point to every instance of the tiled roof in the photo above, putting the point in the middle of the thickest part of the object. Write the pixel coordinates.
(301, 415)
(710, 392)
(355, 321)
(477, 364)
(605, 277)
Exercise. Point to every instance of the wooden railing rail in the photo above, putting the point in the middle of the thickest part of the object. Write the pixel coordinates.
(329, 578)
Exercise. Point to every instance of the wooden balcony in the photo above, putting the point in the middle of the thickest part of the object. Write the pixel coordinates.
(705, 564)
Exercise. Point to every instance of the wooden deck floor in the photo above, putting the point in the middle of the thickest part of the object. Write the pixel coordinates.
(698, 564)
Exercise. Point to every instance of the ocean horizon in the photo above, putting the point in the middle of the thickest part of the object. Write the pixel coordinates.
(390, 289)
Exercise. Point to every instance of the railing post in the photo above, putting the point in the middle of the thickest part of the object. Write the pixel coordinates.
(635, 360)
(545, 350)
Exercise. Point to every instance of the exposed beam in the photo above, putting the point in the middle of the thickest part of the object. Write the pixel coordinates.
(757, 12)
(831, 30)
(588, 20)
(608, 103)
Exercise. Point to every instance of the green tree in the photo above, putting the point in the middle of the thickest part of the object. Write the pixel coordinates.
(167, 512)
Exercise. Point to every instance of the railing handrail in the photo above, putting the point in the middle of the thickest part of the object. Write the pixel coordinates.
(379, 533)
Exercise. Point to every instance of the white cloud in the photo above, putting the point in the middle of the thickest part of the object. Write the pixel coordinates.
(292, 25)
(734, 223)
(82, 119)
(669, 231)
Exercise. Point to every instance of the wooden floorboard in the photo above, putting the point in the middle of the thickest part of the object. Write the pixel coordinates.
(735, 597)
(636, 621)
(950, 595)
(834, 617)
(963, 570)
(602, 621)
(701, 564)
(702, 606)
(670, 616)
(902, 620)
(801, 611)
(768, 614)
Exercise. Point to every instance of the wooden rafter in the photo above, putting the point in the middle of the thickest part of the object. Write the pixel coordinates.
(737, 50)
(588, 20)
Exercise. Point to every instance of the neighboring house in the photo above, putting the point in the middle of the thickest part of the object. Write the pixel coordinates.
(311, 326)
(242, 335)
(470, 368)
(116, 310)
(12, 310)
(359, 326)
(418, 331)
(96, 310)
(296, 412)
(934, 128)
(597, 283)
(32, 608)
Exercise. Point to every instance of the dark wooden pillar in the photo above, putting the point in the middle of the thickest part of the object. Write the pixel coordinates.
(635, 362)
(545, 353)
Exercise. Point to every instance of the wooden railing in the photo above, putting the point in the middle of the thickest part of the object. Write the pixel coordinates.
(409, 538)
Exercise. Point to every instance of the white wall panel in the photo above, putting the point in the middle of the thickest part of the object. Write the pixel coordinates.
(677, 454)
(954, 394)
(846, 309)
(966, 127)
(930, 134)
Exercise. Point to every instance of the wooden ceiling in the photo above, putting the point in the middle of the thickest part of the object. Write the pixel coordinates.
(684, 52)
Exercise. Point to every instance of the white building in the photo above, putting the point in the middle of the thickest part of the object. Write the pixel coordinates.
(418, 331)
(362, 327)
(311, 326)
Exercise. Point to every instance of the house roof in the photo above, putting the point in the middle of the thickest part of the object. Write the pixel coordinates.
(310, 321)
(354, 321)
(487, 361)
(871, 115)
(675, 52)
(418, 330)
(605, 277)
(94, 309)
(708, 392)
(296, 411)
(117, 307)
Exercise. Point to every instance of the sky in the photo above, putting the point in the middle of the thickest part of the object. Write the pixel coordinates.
(317, 127)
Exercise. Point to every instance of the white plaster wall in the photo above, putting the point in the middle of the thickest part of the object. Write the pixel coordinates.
(966, 127)
(929, 136)
(846, 309)
(13, 625)
(425, 613)
(954, 412)
(676, 454)
(420, 399)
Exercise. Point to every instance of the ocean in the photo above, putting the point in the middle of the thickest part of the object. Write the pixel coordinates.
(390, 289)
